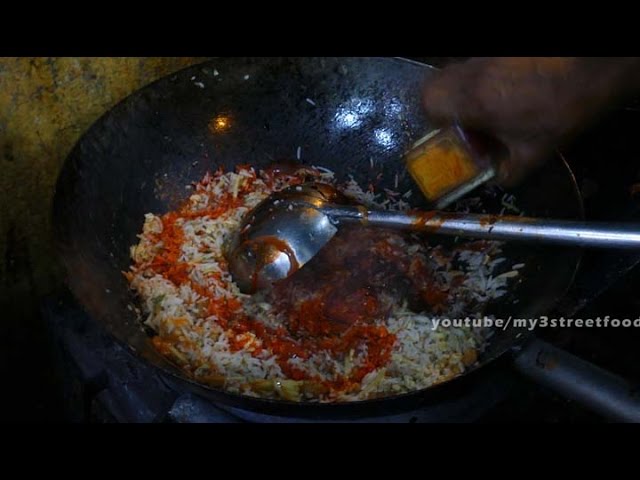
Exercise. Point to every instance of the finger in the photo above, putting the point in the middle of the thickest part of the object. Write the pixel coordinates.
(453, 95)
(523, 158)
(442, 92)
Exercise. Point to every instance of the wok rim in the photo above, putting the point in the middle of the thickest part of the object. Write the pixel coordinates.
(268, 406)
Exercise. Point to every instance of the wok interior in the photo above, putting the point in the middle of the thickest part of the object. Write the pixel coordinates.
(344, 114)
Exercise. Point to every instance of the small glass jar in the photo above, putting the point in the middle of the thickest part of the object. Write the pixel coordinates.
(449, 163)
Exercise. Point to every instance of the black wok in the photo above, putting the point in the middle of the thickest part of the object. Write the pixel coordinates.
(338, 113)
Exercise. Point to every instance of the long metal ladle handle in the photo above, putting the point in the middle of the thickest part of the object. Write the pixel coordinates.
(494, 227)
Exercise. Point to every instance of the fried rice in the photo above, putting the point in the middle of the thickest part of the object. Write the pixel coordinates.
(245, 344)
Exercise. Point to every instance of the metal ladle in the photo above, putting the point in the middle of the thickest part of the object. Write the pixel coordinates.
(290, 227)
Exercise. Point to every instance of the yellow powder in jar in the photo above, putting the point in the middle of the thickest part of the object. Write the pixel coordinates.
(439, 167)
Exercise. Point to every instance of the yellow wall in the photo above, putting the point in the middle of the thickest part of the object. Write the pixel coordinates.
(45, 106)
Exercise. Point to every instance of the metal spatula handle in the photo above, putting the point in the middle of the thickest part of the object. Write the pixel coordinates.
(494, 227)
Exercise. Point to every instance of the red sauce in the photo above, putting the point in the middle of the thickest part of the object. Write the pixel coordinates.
(334, 305)
(166, 262)
(287, 168)
(345, 290)
(422, 218)
(280, 341)
(488, 220)
(365, 215)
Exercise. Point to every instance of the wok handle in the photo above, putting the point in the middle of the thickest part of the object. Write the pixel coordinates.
(578, 380)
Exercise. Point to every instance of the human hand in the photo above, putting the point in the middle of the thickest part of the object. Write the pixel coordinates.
(531, 105)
